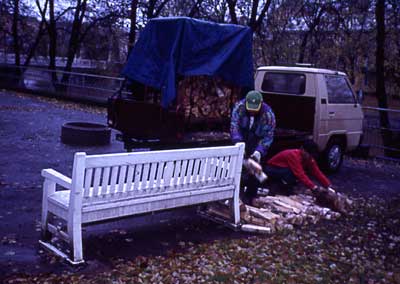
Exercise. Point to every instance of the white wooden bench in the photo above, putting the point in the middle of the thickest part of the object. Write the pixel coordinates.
(110, 186)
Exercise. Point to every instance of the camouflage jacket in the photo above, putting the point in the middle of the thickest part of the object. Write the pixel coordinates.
(260, 136)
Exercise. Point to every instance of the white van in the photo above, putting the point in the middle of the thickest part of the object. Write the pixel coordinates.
(316, 101)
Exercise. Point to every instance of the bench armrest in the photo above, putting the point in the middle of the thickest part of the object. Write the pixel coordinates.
(57, 177)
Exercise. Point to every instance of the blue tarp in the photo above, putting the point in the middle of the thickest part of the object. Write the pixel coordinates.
(184, 46)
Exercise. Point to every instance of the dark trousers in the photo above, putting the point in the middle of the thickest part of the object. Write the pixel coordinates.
(284, 177)
(248, 187)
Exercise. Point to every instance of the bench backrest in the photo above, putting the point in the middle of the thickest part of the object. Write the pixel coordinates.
(98, 178)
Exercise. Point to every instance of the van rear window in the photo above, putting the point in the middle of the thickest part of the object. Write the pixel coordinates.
(287, 83)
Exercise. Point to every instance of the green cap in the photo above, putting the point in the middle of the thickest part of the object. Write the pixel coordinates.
(253, 101)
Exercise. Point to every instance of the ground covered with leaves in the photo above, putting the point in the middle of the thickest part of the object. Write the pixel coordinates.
(361, 248)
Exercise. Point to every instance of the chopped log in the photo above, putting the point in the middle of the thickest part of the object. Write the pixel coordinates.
(218, 213)
(306, 200)
(263, 202)
(283, 204)
(246, 217)
(291, 202)
(257, 229)
(274, 205)
(263, 214)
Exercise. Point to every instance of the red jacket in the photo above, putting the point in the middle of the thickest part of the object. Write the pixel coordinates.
(293, 160)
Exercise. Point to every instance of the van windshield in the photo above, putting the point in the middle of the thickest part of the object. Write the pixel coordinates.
(287, 83)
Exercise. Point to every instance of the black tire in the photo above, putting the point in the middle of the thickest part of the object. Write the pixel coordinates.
(85, 134)
(332, 157)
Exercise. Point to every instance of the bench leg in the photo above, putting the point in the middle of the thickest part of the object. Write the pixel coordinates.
(49, 187)
(75, 234)
(236, 208)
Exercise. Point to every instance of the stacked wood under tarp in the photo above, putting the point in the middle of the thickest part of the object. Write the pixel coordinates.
(275, 213)
(202, 97)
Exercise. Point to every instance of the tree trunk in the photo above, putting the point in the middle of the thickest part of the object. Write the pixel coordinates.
(52, 29)
(132, 30)
(75, 38)
(35, 44)
(303, 47)
(15, 34)
(232, 11)
(380, 72)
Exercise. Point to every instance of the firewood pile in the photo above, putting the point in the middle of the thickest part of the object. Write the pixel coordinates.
(206, 97)
(276, 213)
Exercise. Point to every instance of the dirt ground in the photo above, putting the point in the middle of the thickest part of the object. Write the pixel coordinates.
(179, 246)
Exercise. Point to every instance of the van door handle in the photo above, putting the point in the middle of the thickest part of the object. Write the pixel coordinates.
(331, 113)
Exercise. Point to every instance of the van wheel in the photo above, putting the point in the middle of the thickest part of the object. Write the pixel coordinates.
(333, 156)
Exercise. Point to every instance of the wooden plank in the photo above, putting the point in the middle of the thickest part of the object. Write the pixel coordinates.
(88, 183)
(209, 169)
(203, 170)
(267, 215)
(222, 167)
(227, 164)
(104, 181)
(113, 181)
(152, 175)
(256, 229)
(232, 166)
(160, 172)
(197, 169)
(168, 172)
(291, 202)
(177, 170)
(57, 177)
(138, 174)
(190, 172)
(109, 160)
(96, 181)
(129, 177)
(145, 176)
(184, 173)
(121, 179)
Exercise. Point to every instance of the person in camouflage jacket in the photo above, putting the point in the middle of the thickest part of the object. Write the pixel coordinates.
(252, 122)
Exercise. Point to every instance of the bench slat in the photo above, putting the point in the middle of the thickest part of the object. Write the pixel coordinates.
(177, 170)
(190, 171)
(184, 172)
(105, 180)
(88, 183)
(168, 171)
(152, 176)
(96, 181)
(129, 177)
(113, 181)
(232, 167)
(109, 160)
(145, 174)
(160, 172)
(224, 164)
(159, 191)
(201, 170)
(138, 172)
(121, 178)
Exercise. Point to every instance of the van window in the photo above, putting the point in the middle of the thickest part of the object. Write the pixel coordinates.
(287, 83)
(339, 91)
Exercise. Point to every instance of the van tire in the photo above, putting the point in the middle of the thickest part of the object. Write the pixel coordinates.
(332, 157)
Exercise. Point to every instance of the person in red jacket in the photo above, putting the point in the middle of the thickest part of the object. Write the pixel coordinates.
(292, 165)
